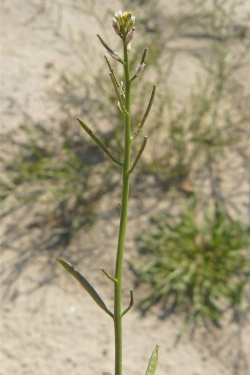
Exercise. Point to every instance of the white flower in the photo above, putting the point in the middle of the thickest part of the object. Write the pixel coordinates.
(118, 16)
(114, 55)
(121, 89)
(139, 69)
(115, 26)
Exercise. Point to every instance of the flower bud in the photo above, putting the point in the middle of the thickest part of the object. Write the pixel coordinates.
(131, 23)
(126, 16)
(130, 35)
(125, 22)
(118, 17)
(116, 26)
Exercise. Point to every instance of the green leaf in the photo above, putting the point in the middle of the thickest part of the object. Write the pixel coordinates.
(106, 373)
(153, 362)
(86, 285)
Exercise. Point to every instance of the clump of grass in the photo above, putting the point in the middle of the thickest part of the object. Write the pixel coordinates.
(57, 174)
(198, 267)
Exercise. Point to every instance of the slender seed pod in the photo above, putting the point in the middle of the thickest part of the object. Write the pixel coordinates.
(86, 285)
(153, 362)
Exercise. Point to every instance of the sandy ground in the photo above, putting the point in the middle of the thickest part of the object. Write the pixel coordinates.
(48, 324)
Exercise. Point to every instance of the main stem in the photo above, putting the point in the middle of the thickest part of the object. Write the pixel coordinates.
(123, 221)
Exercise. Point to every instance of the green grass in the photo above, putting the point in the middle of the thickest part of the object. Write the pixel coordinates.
(195, 263)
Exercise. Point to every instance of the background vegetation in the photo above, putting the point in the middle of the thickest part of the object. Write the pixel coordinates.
(198, 261)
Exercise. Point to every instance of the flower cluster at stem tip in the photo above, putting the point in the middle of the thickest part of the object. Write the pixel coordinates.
(123, 24)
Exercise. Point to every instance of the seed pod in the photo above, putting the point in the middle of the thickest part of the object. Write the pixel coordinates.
(153, 362)
(86, 285)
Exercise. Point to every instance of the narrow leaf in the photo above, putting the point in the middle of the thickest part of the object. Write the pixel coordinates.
(153, 362)
(86, 285)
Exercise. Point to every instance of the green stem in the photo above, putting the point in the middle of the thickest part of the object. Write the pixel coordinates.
(123, 220)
